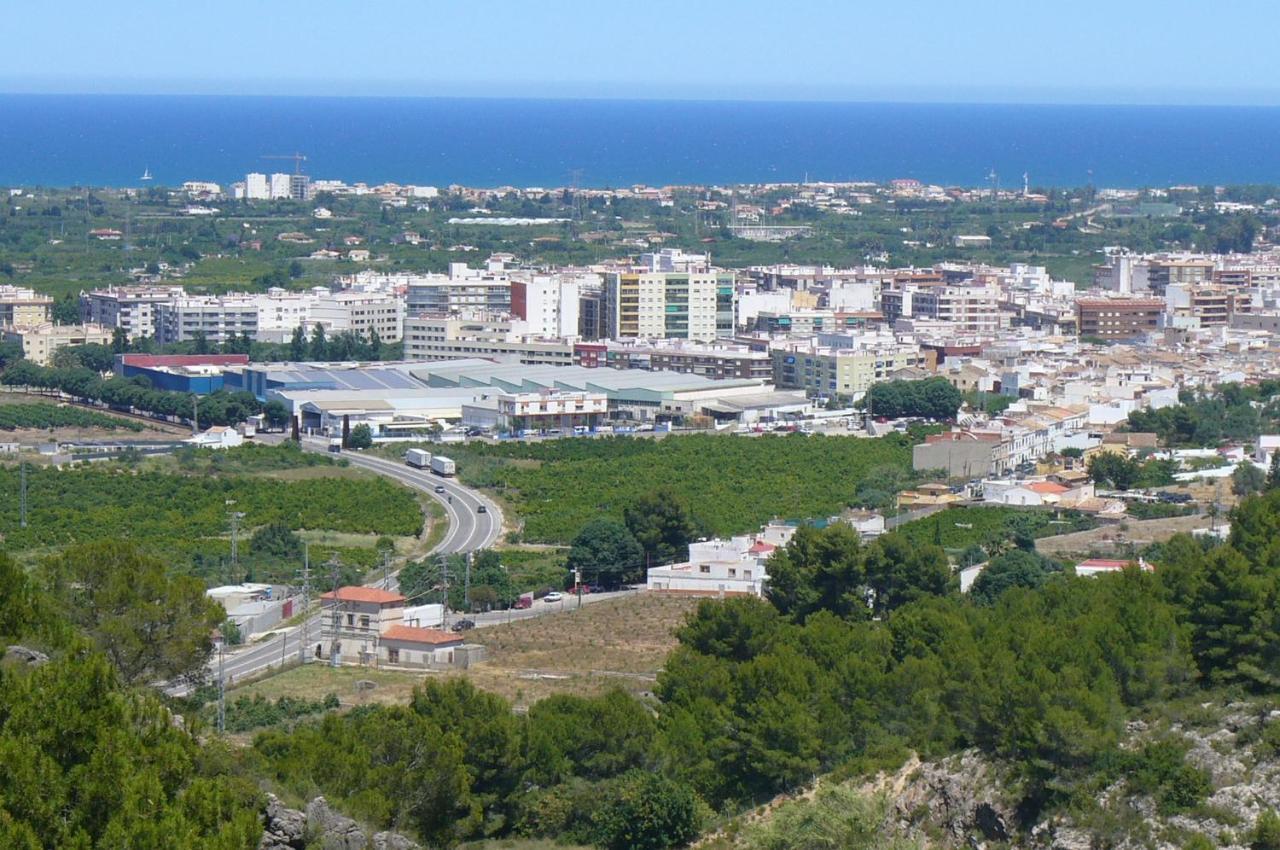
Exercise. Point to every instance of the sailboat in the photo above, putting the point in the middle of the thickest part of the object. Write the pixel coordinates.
(146, 174)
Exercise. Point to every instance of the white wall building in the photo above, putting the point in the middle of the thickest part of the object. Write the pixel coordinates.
(256, 187)
(131, 308)
(279, 188)
(548, 304)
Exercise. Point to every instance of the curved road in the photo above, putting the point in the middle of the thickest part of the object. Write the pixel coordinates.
(469, 530)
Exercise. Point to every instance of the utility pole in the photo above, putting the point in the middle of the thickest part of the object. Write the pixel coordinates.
(22, 499)
(195, 415)
(444, 582)
(466, 587)
(305, 644)
(222, 685)
(386, 570)
(334, 567)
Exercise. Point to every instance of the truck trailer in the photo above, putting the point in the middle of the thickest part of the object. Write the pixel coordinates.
(443, 466)
(418, 458)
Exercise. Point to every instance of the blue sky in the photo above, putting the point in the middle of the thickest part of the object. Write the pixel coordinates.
(1121, 51)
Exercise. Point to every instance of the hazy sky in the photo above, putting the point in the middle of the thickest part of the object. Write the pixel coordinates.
(1118, 51)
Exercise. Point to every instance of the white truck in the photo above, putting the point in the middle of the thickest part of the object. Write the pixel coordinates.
(429, 616)
(335, 445)
(442, 465)
(418, 458)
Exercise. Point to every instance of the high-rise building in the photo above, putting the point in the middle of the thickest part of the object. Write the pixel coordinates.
(668, 305)
(281, 187)
(256, 187)
(549, 304)
(299, 187)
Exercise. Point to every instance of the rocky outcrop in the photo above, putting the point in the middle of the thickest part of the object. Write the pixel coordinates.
(968, 801)
(961, 798)
(22, 655)
(321, 828)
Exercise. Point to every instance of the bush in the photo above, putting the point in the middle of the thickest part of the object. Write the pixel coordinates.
(646, 811)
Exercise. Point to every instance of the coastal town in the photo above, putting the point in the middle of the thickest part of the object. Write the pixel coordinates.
(524, 437)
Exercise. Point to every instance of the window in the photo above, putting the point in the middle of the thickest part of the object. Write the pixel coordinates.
(364, 621)
(393, 656)
(705, 569)
(746, 574)
(351, 619)
(733, 572)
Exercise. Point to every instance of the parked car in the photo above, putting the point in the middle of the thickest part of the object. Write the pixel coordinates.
(553, 596)
(464, 625)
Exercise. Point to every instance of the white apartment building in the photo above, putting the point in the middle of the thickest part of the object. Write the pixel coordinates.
(972, 309)
(130, 308)
(461, 289)
(217, 318)
(362, 313)
(280, 312)
(548, 304)
(279, 187)
(257, 187)
(435, 337)
(669, 305)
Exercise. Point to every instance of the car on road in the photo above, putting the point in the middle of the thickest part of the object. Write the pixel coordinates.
(463, 625)
(481, 509)
(439, 488)
(553, 596)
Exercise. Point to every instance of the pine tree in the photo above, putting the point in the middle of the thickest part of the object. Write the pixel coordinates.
(1273, 474)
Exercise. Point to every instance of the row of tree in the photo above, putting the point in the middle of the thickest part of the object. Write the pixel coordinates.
(136, 394)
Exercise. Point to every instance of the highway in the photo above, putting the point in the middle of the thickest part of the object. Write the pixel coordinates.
(469, 530)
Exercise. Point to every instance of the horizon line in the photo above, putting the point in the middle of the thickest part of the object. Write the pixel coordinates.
(1131, 96)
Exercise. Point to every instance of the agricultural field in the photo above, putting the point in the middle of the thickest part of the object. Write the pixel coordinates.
(178, 508)
(731, 484)
(45, 417)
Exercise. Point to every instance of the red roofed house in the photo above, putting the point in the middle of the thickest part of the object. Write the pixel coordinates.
(367, 623)
(1106, 566)
(354, 619)
(410, 645)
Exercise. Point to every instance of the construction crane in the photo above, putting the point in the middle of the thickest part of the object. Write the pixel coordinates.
(298, 159)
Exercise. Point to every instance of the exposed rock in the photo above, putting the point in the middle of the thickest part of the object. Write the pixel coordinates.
(329, 830)
(959, 796)
(22, 655)
(321, 828)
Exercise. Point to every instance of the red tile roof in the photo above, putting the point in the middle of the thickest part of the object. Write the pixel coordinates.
(151, 361)
(363, 594)
(1047, 488)
(413, 634)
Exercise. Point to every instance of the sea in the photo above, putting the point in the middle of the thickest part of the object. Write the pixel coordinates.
(111, 140)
